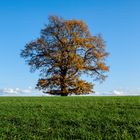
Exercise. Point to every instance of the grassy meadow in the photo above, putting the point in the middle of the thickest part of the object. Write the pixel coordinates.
(70, 118)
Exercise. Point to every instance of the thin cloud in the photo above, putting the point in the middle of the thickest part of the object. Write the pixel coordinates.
(125, 92)
(32, 92)
(19, 92)
(14, 91)
(119, 92)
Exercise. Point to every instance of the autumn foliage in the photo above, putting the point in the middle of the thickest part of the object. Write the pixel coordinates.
(65, 51)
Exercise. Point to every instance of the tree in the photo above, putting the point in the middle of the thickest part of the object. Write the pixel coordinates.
(65, 51)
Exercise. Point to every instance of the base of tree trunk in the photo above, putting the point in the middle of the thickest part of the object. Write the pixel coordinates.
(64, 94)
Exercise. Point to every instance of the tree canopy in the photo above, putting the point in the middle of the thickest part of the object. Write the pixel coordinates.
(65, 51)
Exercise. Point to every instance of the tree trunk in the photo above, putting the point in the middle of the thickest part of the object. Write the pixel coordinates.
(63, 84)
(64, 94)
(63, 89)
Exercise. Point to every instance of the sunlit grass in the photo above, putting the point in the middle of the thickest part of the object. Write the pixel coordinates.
(70, 118)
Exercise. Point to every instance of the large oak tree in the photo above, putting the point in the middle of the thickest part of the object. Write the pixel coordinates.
(65, 51)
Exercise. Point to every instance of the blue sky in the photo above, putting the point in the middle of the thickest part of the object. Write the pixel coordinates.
(118, 21)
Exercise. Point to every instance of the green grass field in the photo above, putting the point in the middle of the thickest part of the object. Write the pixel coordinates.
(70, 118)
